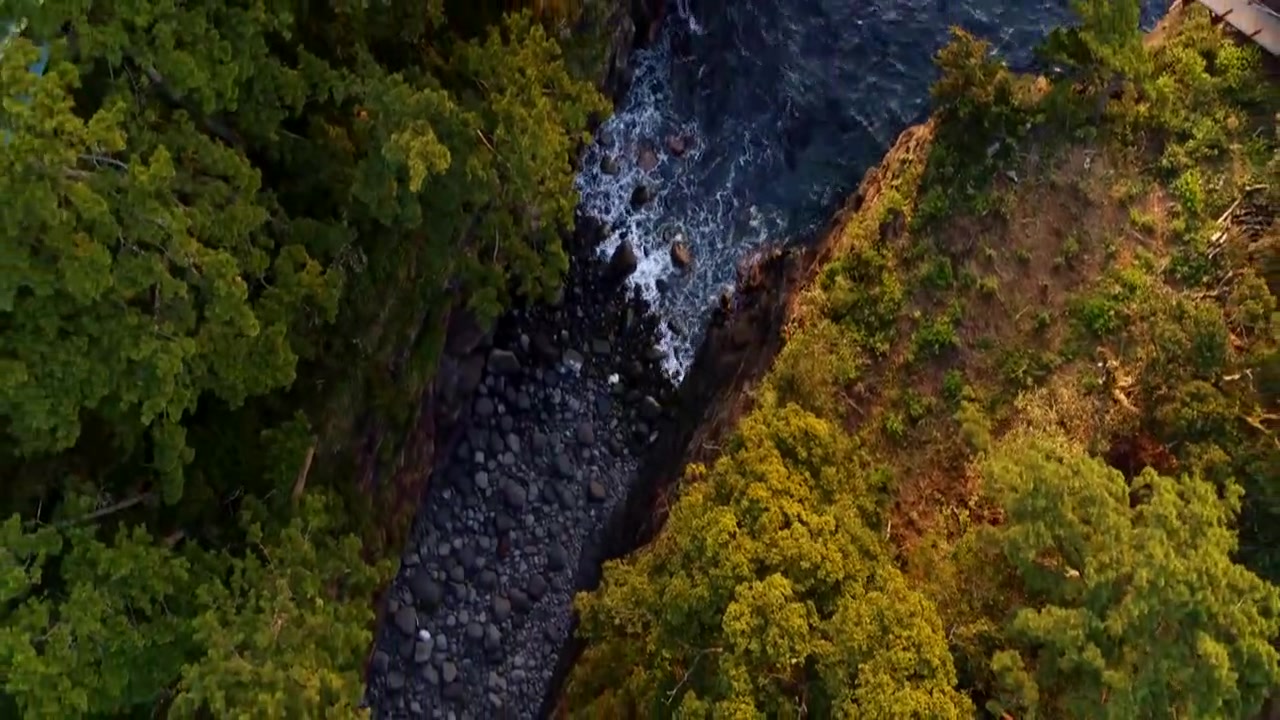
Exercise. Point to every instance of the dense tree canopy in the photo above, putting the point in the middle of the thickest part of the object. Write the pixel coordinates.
(768, 595)
(1128, 601)
(233, 228)
(228, 228)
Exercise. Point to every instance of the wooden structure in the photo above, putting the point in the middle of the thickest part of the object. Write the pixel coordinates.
(1258, 20)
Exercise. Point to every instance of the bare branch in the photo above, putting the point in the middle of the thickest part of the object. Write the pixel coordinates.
(300, 484)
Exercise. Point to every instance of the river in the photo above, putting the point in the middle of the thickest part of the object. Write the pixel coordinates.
(783, 105)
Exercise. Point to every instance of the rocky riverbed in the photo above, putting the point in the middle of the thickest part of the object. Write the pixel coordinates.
(572, 394)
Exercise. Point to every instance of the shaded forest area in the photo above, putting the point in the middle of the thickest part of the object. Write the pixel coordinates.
(231, 231)
(1018, 457)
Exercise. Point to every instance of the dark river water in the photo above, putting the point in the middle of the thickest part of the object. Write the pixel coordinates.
(787, 103)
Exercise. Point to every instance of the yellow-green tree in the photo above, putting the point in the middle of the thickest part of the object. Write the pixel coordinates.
(277, 629)
(1126, 602)
(768, 594)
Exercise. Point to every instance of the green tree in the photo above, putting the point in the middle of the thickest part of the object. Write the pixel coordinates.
(110, 637)
(125, 293)
(1111, 31)
(975, 90)
(766, 595)
(1127, 602)
(277, 630)
(282, 629)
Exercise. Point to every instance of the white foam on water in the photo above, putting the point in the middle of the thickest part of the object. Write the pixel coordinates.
(715, 225)
(682, 7)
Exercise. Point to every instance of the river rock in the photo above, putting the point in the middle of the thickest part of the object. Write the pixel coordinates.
(677, 144)
(537, 587)
(421, 652)
(649, 408)
(557, 557)
(503, 362)
(427, 591)
(681, 256)
(395, 679)
(641, 196)
(564, 466)
(609, 165)
(585, 433)
(515, 494)
(647, 159)
(623, 262)
(573, 360)
(501, 608)
(407, 620)
(596, 490)
(448, 672)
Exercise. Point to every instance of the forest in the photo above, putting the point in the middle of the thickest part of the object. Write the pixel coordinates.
(1018, 458)
(230, 230)
(1019, 455)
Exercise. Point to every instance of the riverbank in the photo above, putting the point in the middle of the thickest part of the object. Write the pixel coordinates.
(567, 398)
(525, 444)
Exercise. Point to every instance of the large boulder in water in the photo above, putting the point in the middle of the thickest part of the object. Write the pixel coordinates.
(641, 196)
(622, 263)
(647, 158)
(681, 256)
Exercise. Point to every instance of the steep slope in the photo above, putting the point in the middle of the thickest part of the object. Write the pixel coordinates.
(999, 457)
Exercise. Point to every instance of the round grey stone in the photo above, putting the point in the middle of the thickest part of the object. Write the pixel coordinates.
(422, 652)
(407, 620)
(537, 587)
(557, 557)
(514, 494)
(501, 608)
(395, 680)
(426, 590)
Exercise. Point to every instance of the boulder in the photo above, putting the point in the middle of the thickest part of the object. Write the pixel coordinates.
(681, 256)
(641, 196)
(623, 262)
(647, 158)
(503, 362)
